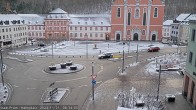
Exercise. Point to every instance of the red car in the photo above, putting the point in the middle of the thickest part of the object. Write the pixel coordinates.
(153, 49)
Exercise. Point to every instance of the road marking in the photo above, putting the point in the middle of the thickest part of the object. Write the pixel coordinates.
(99, 82)
(15, 86)
(83, 86)
(72, 79)
(31, 88)
(100, 70)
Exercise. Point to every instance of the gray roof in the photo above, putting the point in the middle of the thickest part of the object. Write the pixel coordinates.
(90, 20)
(10, 19)
(33, 19)
(58, 11)
(182, 16)
(167, 22)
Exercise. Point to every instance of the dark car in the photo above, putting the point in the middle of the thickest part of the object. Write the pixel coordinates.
(105, 55)
(41, 45)
(153, 49)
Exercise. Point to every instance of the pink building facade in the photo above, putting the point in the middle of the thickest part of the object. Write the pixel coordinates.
(137, 20)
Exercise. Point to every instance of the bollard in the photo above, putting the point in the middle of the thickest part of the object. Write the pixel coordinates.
(4, 96)
(2, 102)
(80, 56)
(73, 56)
(66, 56)
(5, 91)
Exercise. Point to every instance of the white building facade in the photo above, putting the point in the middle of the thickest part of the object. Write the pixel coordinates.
(166, 31)
(13, 31)
(89, 27)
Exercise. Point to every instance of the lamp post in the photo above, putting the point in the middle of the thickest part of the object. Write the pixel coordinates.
(137, 54)
(51, 40)
(123, 59)
(159, 82)
(2, 67)
(86, 46)
(129, 44)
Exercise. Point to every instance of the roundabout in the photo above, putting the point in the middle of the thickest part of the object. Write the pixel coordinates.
(64, 68)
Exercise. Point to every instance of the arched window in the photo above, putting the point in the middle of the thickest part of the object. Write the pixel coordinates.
(129, 18)
(137, 13)
(155, 12)
(144, 19)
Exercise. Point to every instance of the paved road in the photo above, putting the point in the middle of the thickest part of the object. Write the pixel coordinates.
(29, 81)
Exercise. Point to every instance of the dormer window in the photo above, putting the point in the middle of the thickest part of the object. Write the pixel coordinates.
(85, 22)
(101, 22)
(78, 22)
(94, 23)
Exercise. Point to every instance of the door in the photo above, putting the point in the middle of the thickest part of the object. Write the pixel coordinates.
(135, 37)
(118, 37)
(153, 37)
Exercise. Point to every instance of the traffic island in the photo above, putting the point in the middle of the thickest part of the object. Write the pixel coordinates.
(54, 95)
(64, 68)
(4, 93)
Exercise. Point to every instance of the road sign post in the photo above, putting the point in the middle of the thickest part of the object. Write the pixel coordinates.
(93, 80)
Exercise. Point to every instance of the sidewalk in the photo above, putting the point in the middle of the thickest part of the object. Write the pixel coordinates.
(106, 93)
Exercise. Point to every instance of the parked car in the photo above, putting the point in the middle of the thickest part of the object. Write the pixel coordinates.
(105, 55)
(41, 45)
(153, 49)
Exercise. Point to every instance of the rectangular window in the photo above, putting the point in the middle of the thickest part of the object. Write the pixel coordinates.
(190, 57)
(75, 34)
(90, 28)
(71, 34)
(106, 28)
(118, 12)
(96, 28)
(90, 34)
(85, 28)
(75, 28)
(193, 35)
(2, 30)
(70, 28)
(101, 35)
(80, 34)
(155, 12)
(80, 28)
(101, 28)
(96, 35)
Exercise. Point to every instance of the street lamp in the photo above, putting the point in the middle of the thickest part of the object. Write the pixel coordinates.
(129, 44)
(51, 38)
(86, 45)
(2, 67)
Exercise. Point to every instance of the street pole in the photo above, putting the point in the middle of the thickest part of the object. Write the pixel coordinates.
(129, 44)
(86, 47)
(52, 50)
(123, 60)
(93, 87)
(2, 68)
(137, 54)
(159, 82)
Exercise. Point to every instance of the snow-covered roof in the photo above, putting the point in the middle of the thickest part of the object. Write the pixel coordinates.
(182, 16)
(191, 17)
(167, 22)
(10, 19)
(90, 20)
(58, 11)
(57, 16)
(33, 19)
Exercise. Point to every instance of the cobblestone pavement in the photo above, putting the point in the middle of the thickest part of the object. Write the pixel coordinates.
(145, 83)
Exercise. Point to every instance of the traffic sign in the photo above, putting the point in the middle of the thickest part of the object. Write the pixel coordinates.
(94, 82)
(93, 76)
